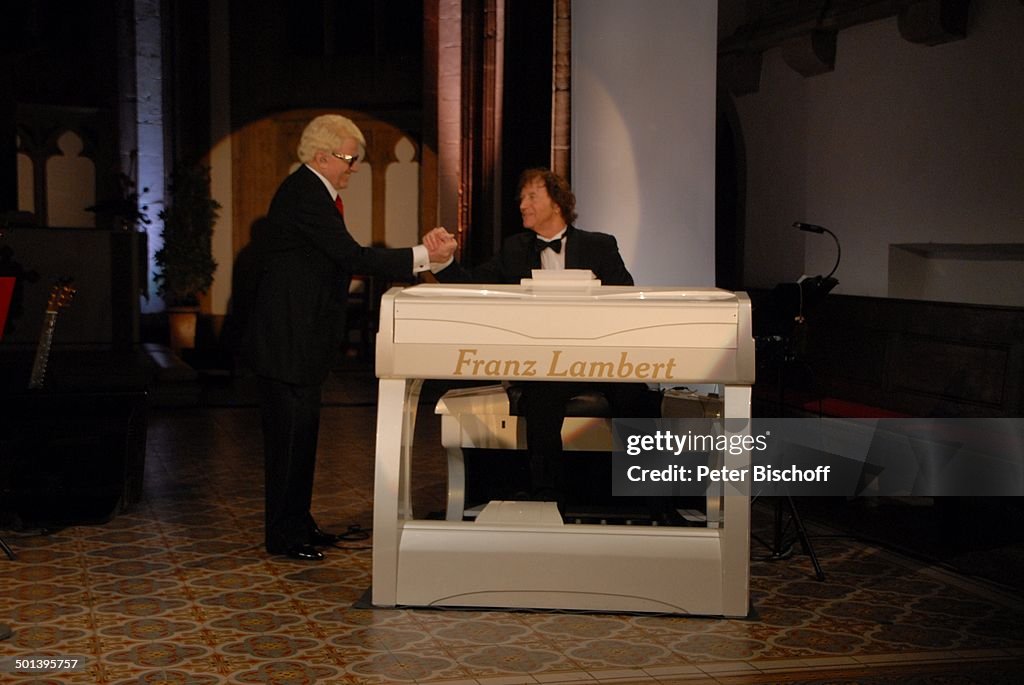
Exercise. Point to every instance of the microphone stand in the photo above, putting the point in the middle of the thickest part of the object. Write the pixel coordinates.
(819, 286)
(814, 228)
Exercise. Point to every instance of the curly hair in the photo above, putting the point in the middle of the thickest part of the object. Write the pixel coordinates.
(326, 132)
(558, 189)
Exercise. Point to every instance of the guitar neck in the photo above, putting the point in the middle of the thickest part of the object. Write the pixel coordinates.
(43, 351)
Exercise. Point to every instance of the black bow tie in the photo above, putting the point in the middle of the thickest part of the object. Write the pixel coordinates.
(539, 245)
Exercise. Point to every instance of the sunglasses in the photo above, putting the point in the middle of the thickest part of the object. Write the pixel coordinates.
(348, 159)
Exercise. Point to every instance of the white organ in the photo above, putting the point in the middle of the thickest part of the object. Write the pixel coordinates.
(522, 555)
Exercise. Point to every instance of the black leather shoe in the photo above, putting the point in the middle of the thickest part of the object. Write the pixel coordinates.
(304, 553)
(319, 538)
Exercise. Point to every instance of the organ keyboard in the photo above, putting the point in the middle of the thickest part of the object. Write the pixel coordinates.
(522, 554)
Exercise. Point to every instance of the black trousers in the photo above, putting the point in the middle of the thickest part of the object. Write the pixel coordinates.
(543, 403)
(291, 423)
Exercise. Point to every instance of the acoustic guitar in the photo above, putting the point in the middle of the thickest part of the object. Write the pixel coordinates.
(61, 295)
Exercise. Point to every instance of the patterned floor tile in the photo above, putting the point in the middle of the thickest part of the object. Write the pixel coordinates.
(179, 591)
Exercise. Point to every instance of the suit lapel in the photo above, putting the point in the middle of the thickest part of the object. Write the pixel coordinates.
(573, 249)
(531, 258)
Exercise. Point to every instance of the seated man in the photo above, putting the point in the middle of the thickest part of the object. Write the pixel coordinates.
(548, 208)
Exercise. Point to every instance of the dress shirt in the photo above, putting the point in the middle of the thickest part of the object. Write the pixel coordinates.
(551, 260)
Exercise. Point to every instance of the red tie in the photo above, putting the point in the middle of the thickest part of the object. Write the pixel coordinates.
(340, 205)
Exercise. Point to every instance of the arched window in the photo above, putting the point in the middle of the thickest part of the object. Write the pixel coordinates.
(70, 184)
(26, 179)
(401, 213)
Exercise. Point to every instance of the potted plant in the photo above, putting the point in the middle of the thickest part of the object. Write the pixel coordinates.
(124, 211)
(185, 263)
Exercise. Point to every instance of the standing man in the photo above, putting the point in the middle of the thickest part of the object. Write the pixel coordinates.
(306, 258)
(548, 207)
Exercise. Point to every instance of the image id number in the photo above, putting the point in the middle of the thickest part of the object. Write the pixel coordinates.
(40, 664)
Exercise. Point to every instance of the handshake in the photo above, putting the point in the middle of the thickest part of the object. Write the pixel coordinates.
(440, 245)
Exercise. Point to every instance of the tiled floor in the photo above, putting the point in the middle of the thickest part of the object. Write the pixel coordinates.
(178, 590)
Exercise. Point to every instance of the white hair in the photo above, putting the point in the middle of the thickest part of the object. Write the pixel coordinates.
(326, 132)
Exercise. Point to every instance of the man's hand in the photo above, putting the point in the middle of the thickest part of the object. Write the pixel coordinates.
(440, 245)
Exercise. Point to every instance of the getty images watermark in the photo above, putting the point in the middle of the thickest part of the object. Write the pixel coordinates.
(818, 457)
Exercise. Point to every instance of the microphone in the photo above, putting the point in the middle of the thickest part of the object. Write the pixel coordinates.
(810, 228)
(815, 228)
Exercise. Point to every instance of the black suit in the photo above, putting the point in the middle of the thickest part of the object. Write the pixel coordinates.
(543, 402)
(583, 250)
(305, 258)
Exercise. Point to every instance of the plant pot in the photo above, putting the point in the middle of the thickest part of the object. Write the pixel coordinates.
(181, 322)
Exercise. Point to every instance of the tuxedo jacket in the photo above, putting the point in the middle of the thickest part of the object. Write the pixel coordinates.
(517, 258)
(305, 259)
